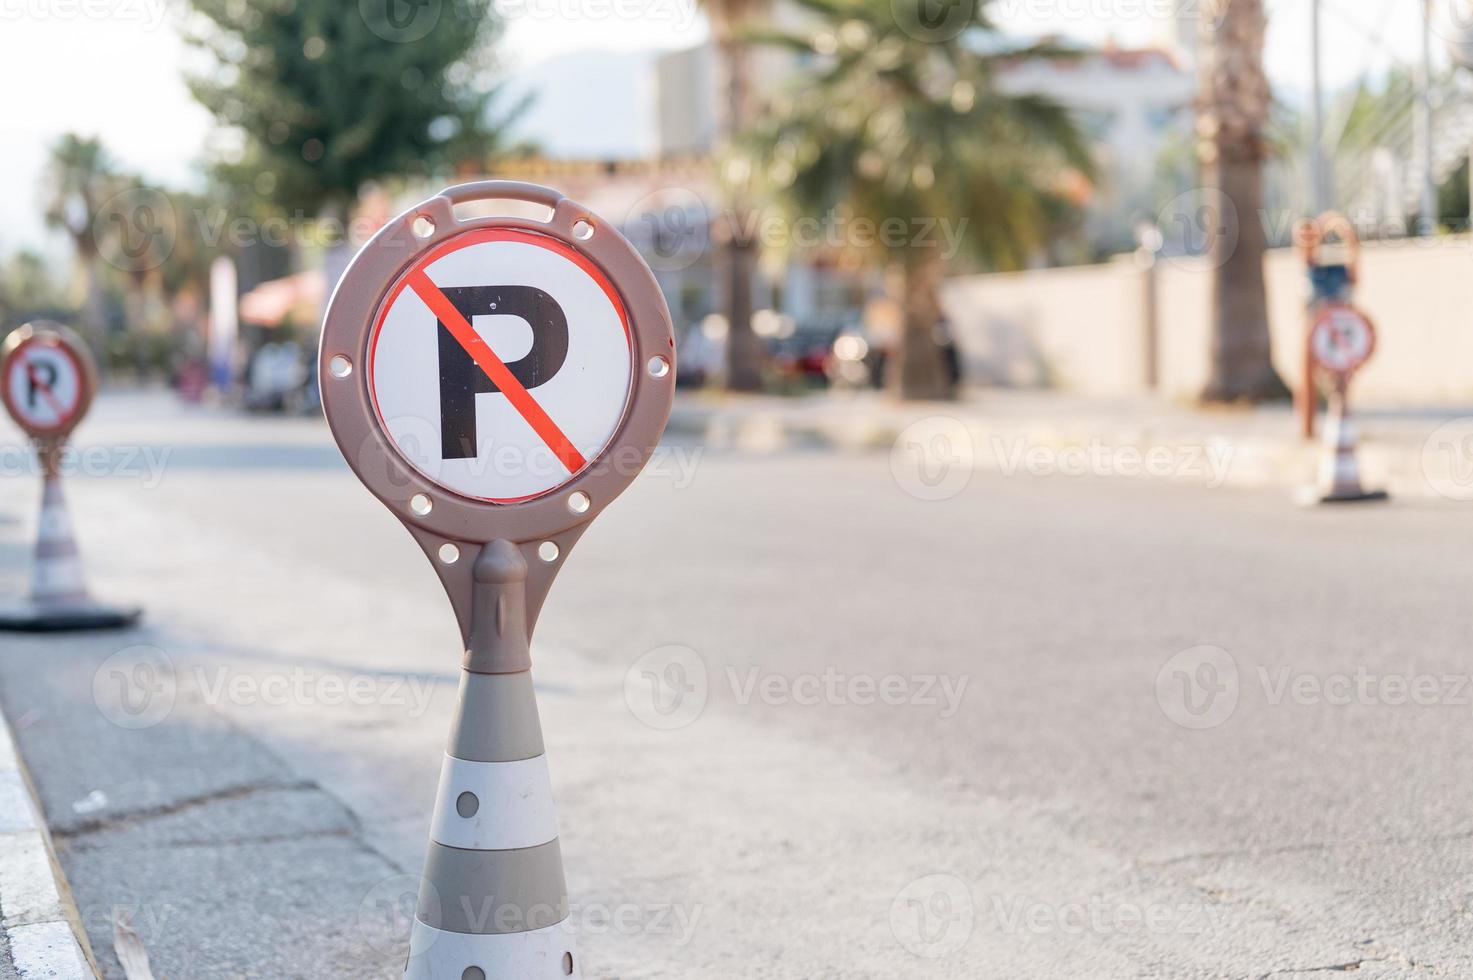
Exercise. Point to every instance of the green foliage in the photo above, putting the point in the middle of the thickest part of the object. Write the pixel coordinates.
(27, 289)
(138, 245)
(332, 94)
(141, 353)
(897, 120)
(1378, 111)
(192, 236)
(1453, 199)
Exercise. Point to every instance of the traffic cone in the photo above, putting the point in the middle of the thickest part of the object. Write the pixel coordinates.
(59, 599)
(493, 902)
(56, 574)
(1339, 477)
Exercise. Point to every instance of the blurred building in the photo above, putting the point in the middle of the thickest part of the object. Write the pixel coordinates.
(588, 105)
(689, 98)
(663, 206)
(686, 100)
(1136, 107)
(689, 87)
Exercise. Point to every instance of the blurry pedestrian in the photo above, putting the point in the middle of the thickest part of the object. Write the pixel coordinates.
(946, 341)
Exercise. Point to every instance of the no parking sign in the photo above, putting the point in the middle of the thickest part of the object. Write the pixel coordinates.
(496, 382)
(520, 318)
(48, 380)
(1342, 340)
(497, 378)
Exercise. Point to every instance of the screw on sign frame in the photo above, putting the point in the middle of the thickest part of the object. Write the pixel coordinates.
(423, 386)
(1328, 330)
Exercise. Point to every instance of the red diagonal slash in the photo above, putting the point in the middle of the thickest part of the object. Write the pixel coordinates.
(45, 390)
(505, 381)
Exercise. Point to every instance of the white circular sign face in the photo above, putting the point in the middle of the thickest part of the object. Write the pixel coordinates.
(44, 386)
(1342, 340)
(500, 364)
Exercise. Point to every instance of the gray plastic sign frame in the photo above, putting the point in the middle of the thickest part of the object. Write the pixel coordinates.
(559, 515)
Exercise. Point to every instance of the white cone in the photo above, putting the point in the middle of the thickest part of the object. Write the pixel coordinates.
(56, 575)
(1339, 475)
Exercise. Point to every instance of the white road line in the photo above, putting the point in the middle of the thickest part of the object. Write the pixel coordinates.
(43, 942)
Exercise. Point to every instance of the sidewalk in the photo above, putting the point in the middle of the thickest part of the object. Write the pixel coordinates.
(39, 925)
(1411, 452)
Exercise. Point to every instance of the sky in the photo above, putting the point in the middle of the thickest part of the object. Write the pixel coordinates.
(113, 68)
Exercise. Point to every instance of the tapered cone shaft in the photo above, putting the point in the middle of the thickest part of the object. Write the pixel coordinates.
(56, 575)
(1339, 468)
(494, 903)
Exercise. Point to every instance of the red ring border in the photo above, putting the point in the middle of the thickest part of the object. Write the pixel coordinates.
(15, 413)
(1324, 315)
(466, 239)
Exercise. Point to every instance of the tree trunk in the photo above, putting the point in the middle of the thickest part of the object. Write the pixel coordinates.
(918, 371)
(94, 310)
(1233, 114)
(743, 350)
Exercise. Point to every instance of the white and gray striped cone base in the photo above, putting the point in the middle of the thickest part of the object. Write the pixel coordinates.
(58, 598)
(56, 575)
(494, 903)
(1339, 477)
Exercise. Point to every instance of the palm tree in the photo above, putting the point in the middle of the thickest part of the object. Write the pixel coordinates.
(1232, 117)
(901, 132)
(729, 21)
(26, 289)
(79, 178)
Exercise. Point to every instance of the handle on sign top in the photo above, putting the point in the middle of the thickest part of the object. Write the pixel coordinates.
(511, 190)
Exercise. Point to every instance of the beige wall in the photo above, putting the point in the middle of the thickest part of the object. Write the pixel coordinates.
(1083, 328)
(1078, 328)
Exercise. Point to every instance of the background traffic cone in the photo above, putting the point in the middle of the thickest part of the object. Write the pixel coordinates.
(493, 904)
(59, 599)
(1339, 476)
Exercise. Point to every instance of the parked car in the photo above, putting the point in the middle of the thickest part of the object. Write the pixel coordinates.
(802, 351)
(854, 360)
(857, 359)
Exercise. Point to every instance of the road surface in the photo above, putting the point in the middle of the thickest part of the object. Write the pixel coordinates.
(802, 722)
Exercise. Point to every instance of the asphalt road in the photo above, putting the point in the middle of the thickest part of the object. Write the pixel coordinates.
(802, 722)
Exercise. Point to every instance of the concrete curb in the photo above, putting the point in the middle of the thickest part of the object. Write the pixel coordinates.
(1213, 449)
(37, 912)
